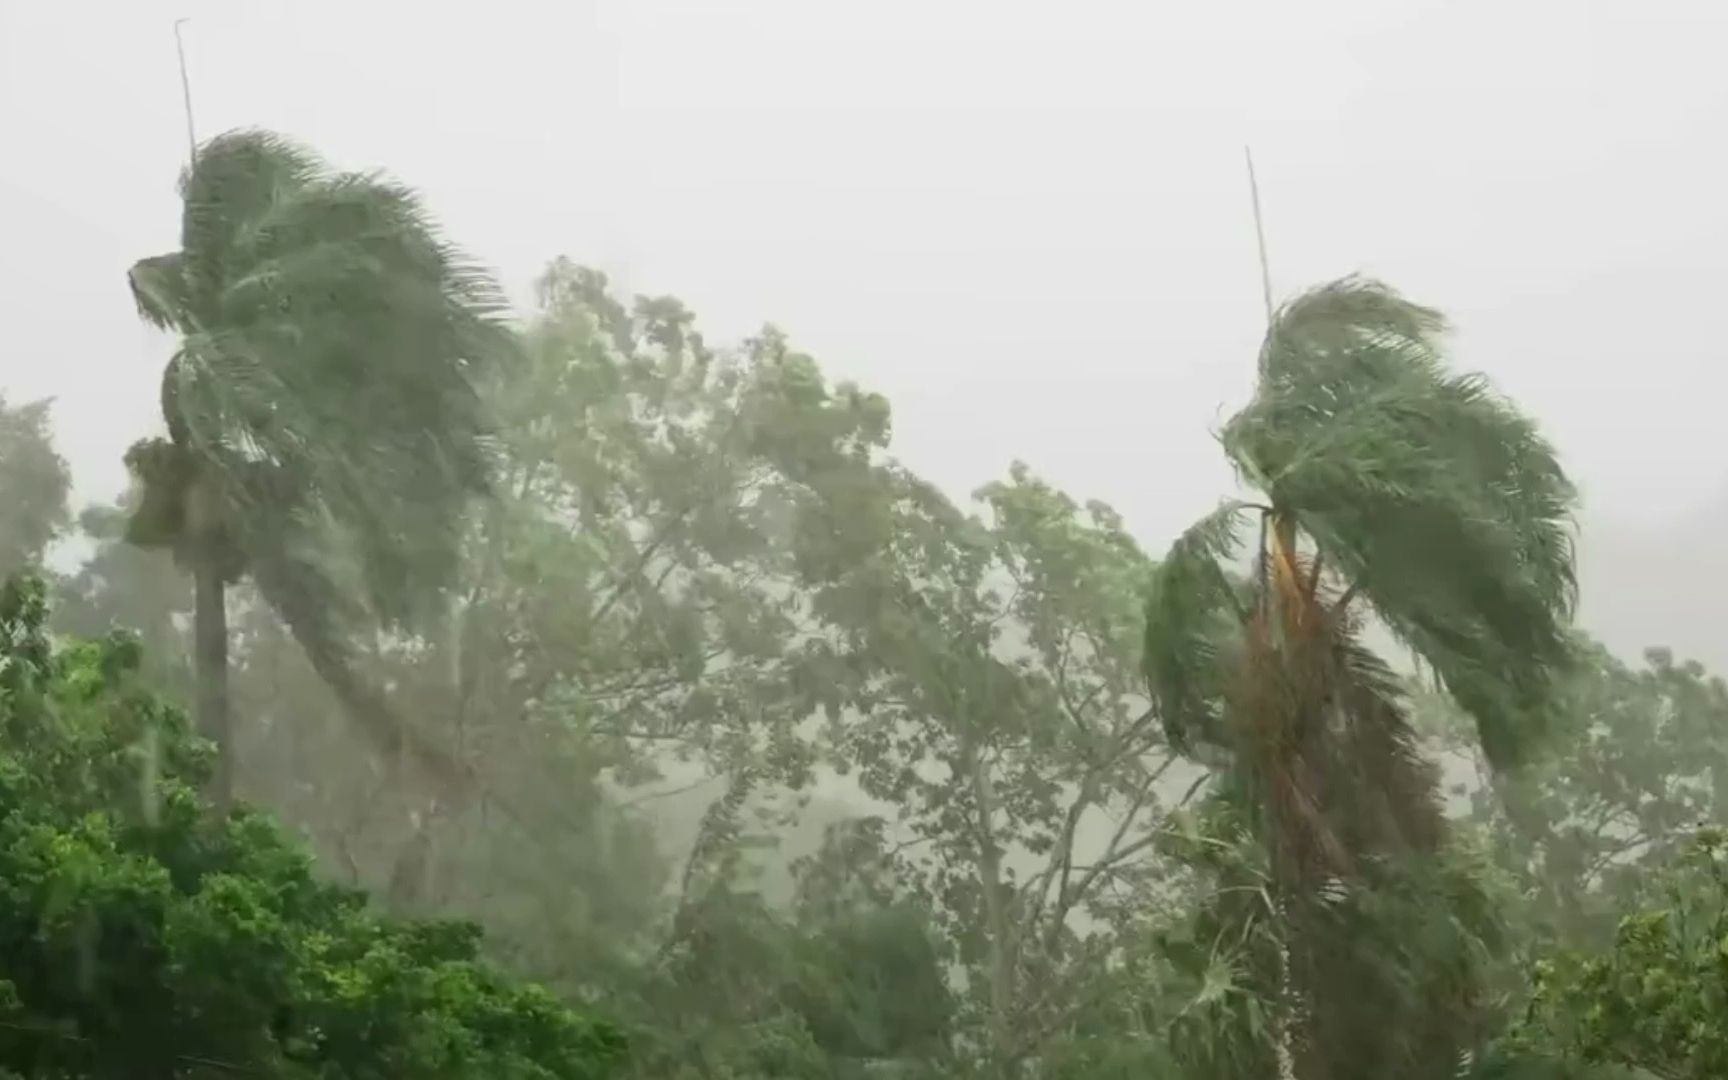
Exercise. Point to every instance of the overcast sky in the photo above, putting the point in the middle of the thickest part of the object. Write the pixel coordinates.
(1026, 223)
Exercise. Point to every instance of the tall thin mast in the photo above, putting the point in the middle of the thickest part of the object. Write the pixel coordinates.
(186, 95)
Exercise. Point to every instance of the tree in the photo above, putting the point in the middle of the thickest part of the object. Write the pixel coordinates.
(143, 936)
(871, 983)
(1654, 1000)
(1636, 761)
(628, 620)
(1386, 486)
(121, 586)
(321, 400)
(33, 486)
(848, 981)
(989, 699)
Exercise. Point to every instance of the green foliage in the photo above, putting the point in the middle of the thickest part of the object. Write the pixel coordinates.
(1655, 999)
(1637, 761)
(33, 485)
(1386, 486)
(325, 433)
(634, 603)
(628, 612)
(848, 981)
(700, 565)
(329, 339)
(121, 586)
(988, 668)
(1194, 613)
(1429, 494)
(142, 936)
(671, 506)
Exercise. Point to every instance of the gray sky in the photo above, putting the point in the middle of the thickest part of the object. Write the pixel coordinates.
(1027, 224)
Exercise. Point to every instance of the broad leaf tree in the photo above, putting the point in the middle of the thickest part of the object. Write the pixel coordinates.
(1652, 1000)
(992, 703)
(1637, 761)
(630, 623)
(34, 482)
(142, 936)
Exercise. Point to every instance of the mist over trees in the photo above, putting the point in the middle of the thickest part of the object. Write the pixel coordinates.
(462, 692)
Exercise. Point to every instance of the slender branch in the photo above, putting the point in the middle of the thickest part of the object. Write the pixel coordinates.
(669, 792)
(1114, 852)
(634, 574)
(1188, 795)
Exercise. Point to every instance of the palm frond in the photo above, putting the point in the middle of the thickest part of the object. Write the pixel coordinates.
(1435, 498)
(1389, 787)
(1278, 706)
(332, 334)
(160, 291)
(1193, 615)
(232, 184)
(1336, 318)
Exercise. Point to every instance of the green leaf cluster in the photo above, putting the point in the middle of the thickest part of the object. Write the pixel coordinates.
(140, 935)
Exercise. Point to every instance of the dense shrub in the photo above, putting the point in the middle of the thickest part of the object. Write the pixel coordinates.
(143, 936)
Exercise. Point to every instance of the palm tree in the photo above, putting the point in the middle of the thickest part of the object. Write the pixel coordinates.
(321, 403)
(1388, 489)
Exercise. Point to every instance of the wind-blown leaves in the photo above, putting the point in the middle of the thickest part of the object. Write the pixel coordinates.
(1392, 485)
(143, 936)
(330, 340)
(1194, 611)
(1431, 496)
(34, 482)
(323, 396)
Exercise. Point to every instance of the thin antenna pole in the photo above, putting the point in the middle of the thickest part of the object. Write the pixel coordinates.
(1259, 235)
(186, 94)
(1283, 1037)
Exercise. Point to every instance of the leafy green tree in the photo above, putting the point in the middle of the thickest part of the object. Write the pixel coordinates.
(1637, 761)
(687, 501)
(1389, 487)
(121, 586)
(628, 614)
(563, 894)
(142, 936)
(33, 486)
(990, 698)
(321, 399)
(1654, 1000)
(849, 982)
(871, 983)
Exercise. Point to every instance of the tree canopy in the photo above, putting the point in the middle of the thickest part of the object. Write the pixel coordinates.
(142, 936)
(603, 699)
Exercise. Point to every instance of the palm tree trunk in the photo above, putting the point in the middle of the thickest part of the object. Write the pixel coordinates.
(210, 651)
(1284, 1016)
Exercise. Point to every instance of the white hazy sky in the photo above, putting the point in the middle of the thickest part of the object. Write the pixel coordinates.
(1026, 223)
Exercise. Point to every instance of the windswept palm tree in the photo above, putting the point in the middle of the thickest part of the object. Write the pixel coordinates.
(1389, 489)
(321, 401)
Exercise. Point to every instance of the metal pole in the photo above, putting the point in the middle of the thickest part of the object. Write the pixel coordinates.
(186, 94)
(1259, 235)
